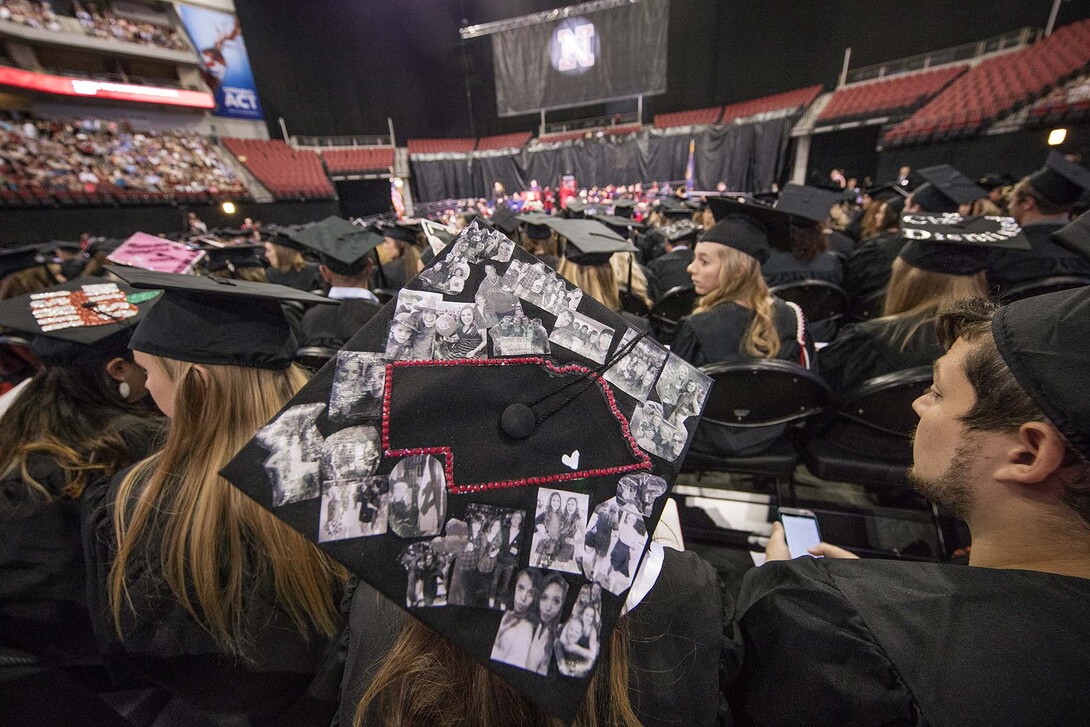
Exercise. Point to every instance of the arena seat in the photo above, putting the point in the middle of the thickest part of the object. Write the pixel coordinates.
(441, 146)
(799, 98)
(888, 95)
(286, 172)
(359, 159)
(504, 141)
(696, 117)
(1068, 102)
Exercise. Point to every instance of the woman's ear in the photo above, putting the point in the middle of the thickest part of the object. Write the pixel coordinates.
(117, 368)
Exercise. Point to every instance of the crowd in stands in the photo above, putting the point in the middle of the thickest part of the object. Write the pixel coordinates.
(101, 23)
(30, 13)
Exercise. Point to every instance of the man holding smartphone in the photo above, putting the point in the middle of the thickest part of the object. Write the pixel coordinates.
(1003, 442)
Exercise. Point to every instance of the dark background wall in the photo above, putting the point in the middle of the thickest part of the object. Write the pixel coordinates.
(343, 66)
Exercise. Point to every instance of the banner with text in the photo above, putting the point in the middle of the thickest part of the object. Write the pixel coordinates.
(225, 66)
(599, 56)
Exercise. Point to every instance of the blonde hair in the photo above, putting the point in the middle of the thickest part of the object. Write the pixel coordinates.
(253, 274)
(288, 259)
(914, 296)
(597, 281)
(427, 680)
(622, 262)
(27, 281)
(740, 282)
(213, 542)
(986, 207)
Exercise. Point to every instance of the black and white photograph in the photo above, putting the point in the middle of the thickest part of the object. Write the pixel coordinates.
(353, 508)
(518, 335)
(350, 454)
(427, 570)
(579, 644)
(418, 496)
(560, 524)
(476, 575)
(505, 247)
(358, 384)
(295, 451)
(616, 536)
(460, 333)
(582, 335)
(636, 372)
(412, 330)
(647, 488)
(493, 299)
(654, 434)
(481, 244)
(682, 390)
(446, 276)
(528, 633)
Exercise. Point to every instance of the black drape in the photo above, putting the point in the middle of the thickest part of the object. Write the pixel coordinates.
(436, 179)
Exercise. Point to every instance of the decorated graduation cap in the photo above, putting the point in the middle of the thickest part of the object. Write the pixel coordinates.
(1043, 340)
(589, 242)
(1061, 181)
(424, 454)
(680, 231)
(80, 319)
(232, 257)
(957, 245)
(216, 321)
(993, 180)
(945, 189)
(341, 246)
(22, 258)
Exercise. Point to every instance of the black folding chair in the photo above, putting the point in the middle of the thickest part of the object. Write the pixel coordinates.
(870, 307)
(634, 304)
(675, 304)
(823, 304)
(1050, 284)
(314, 357)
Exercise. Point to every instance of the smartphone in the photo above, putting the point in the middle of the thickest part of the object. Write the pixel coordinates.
(801, 529)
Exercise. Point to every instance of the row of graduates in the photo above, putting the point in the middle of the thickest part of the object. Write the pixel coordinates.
(126, 550)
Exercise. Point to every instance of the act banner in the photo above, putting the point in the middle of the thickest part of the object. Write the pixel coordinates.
(225, 66)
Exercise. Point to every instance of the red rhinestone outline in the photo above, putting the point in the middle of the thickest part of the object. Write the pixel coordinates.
(643, 464)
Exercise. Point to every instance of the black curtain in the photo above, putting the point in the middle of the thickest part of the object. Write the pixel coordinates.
(437, 179)
(508, 169)
(747, 157)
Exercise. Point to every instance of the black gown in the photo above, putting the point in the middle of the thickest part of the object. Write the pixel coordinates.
(307, 278)
(676, 638)
(782, 268)
(670, 271)
(1008, 268)
(873, 348)
(285, 681)
(332, 325)
(870, 642)
(867, 270)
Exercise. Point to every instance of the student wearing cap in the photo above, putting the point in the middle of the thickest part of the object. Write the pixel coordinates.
(286, 263)
(1003, 442)
(867, 270)
(537, 238)
(237, 262)
(671, 270)
(78, 418)
(588, 247)
(401, 256)
(26, 269)
(194, 586)
(927, 277)
(804, 255)
(1041, 203)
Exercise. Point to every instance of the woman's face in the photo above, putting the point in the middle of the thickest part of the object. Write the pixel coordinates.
(554, 501)
(270, 254)
(705, 267)
(467, 316)
(158, 383)
(571, 506)
(550, 603)
(587, 618)
(524, 594)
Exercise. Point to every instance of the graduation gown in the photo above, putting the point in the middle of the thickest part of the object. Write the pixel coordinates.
(873, 348)
(868, 269)
(1008, 268)
(332, 325)
(307, 278)
(280, 684)
(676, 638)
(670, 271)
(873, 642)
(782, 268)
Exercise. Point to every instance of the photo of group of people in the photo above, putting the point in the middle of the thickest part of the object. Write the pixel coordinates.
(295, 451)
(350, 454)
(492, 546)
(418, 496)
(478, 244)
(637, 370)
(682, 390)
(654, 434)
(517, 335)
(428, 571)
(538, 284)
(578, 645)
(445, 276)
(582, 335)
(494, 301)
(615, 539)
(412, 331)
(358, 383)
(560, 523)
(530, 627)
(354, 508)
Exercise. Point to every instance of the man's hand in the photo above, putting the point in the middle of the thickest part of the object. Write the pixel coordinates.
(777, 547)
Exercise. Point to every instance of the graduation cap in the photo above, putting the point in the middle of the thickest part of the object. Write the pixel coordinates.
(992, 180)
(82, 318)
(22, 258)
(956, 245)
(742, 231)
(504, 219)
(537, 225)
(674, 207)
(681, 230)
(945, 189)
(399, 231)
(216, 321)
(451, 450)
(775, 225)
(1061, 181)
(285, 236)
(624, 207)
(232, 257)
(621, 225)
(575, 207)
(341, 246)
(589, 242)
(1075, 235)
(1043, 340)
(807, 204)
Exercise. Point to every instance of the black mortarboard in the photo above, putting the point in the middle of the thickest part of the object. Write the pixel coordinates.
(216, 321)
(991, 180)
(537, 225)
(681, 230)
(85, 317)
(441, 449)
(589, 242)
(743, 232)
(955, 245)
(341, 246)
(21, 258)
(504, 219)
(809, 204)
(775, 224)
(232, 257)
(575, 207)
(624, 207)
(1044, 340)
(285, 236)
(621, 225)
(886, 192)
(946, 189)
(674, 207)
(1060, 181)
(398, 231)
(1075, 235)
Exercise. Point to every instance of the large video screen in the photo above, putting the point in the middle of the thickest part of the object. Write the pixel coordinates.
(600, 56)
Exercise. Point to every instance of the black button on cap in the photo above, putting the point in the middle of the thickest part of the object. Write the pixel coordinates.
(518, 421)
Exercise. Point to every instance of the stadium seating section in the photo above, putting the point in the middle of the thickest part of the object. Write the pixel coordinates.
(688, 118)
(359, 160)
(997, 85)
(1070, 102)
(798, 98)
(504, 141)
(286, 172)
(619, 130)
(900, 93)
(441, 146)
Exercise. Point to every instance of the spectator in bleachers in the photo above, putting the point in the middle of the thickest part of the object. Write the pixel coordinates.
(29, 13)
(104, 24)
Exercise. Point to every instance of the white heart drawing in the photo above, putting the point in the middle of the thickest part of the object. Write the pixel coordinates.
(571, 460)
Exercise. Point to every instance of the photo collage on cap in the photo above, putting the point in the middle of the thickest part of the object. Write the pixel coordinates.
(529, 570)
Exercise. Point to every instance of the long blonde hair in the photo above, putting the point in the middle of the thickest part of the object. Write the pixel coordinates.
(914, 297)
(597, 281)
(741, 282)
(621, 262)
(213, 543)
(288, 259)
(427, 680)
